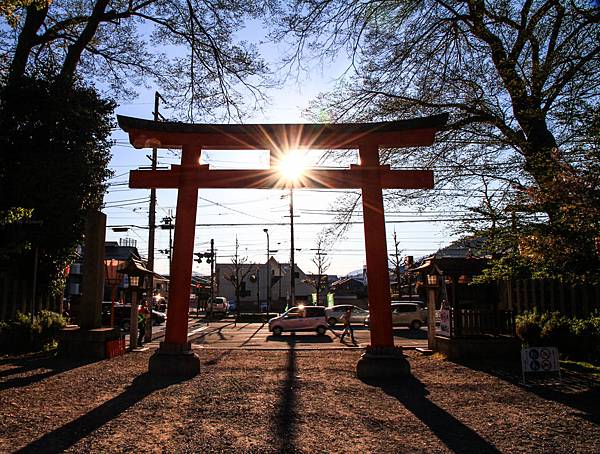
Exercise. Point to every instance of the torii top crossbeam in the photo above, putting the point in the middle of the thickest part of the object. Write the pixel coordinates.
(368, 175)
(402, 133)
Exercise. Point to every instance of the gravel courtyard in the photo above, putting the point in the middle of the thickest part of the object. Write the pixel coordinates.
(290, 401)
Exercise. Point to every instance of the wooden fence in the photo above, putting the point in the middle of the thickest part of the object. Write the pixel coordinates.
(546, 295)
(490, 309)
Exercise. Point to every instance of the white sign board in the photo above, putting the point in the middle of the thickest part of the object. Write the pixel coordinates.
(540, 359)
(444, 328)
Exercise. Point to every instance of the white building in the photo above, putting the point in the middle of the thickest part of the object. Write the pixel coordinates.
(255, 284)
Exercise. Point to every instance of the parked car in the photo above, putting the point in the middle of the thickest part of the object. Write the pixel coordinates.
(300, 318)
(159, 303)
(123, 315)
(218, 304)
(334, 314)
(412, 315)
(415, 301)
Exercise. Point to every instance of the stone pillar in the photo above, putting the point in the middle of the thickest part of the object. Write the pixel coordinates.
(93, 271)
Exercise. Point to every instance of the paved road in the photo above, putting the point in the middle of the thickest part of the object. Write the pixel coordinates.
(226, 334)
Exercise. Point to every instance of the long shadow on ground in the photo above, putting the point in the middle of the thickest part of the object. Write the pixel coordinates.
(460, 438)
(576, 390)
(285, 420)
(292, 340)
(67, 435)
(36, 369)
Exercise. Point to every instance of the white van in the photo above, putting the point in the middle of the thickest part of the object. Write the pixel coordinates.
(217, 305)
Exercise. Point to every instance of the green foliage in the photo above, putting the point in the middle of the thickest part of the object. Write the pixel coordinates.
(22, 335)
(529, 328)
(53, 166)
(575, 338)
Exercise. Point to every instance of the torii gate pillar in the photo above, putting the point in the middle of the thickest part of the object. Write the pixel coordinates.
(175, 356)
(382, 360)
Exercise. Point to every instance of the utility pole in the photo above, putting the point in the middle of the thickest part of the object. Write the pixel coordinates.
(268, 280)
(168, 225)
(397, 252)
(258, 288)
(152, 223)
(210, 259)
(292, 263)
(212, 269)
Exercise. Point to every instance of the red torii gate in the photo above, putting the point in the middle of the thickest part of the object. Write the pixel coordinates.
(175, 355)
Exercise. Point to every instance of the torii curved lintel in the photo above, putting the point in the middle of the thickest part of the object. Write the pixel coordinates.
(391, 134)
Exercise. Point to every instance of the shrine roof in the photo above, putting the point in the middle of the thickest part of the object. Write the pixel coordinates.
(399, 133)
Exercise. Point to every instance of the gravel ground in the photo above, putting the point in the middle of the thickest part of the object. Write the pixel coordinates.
(289, 401)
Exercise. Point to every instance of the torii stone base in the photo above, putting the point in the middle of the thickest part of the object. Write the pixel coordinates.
(382, 364)
(173, 360)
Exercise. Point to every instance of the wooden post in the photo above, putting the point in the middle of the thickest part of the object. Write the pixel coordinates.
(431, 300)
(133, 319)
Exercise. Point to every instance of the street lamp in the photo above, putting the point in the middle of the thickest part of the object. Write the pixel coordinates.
(113, 279)
(268, 280)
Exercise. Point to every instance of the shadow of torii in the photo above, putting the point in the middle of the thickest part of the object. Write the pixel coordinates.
(457, 436)
(67, 435)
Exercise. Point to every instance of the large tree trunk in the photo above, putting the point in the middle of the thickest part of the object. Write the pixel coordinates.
(35, 17)
(76, 49)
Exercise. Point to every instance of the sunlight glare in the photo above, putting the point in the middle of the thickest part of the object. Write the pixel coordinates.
(292, 165)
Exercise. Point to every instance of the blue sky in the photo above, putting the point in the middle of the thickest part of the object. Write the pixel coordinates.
(219, 209)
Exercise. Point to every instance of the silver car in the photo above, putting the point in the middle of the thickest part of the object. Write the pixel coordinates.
(412, 315)
(334, 314)
(300, 318)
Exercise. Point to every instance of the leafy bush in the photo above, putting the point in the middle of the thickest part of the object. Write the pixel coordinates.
(24, 335)
(529, 328)
(557, 330)
(574, 337)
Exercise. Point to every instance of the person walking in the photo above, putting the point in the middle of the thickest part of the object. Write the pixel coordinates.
(142, 319)
(347, 325)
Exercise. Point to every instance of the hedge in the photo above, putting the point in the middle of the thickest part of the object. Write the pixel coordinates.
(22, 335)
(575, 338)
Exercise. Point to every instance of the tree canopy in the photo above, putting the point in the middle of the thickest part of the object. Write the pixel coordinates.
(188, 48)
(53, 166)
(520, 80)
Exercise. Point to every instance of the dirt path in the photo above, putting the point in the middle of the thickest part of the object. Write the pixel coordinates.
(289, 401)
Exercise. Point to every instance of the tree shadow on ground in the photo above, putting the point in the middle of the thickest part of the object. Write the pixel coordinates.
(577, 390)
(253, 335)
(458, 437)
(292, 339)
(46, 367)
(67, 435)
(285, 419)
(216, 360)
